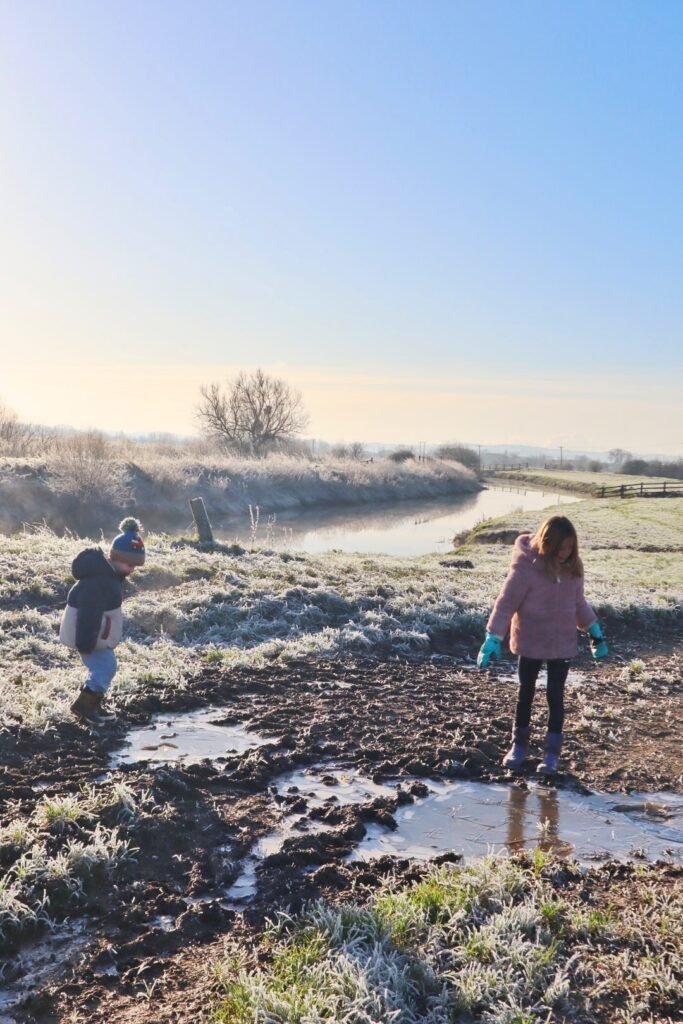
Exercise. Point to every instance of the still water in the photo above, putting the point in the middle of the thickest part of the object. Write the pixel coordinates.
(187, 737)
(477, 818)
(409, 528)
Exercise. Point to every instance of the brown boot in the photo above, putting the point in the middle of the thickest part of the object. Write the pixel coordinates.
(103, 715)
(85, 706)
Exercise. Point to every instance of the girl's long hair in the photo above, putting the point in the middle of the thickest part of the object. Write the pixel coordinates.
(547, 540)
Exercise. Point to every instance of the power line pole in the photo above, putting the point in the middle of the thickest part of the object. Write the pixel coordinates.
(561, 450)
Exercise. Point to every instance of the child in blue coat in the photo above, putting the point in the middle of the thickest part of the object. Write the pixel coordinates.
(92, 622)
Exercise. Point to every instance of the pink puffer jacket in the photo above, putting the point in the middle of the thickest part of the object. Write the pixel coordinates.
(542, 611)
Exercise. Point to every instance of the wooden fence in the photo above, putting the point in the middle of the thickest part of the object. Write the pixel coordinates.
(500, 468)
(668, 489)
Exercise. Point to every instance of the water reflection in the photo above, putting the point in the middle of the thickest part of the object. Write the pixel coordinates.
(187, 737)
(407, 528)
(472, 818)
(527, 826)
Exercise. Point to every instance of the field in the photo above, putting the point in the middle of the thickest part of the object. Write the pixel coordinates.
(576, 480)
(365, 663)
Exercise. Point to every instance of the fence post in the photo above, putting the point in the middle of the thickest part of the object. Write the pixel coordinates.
(621, 490)
(201, 521)
(665, 486)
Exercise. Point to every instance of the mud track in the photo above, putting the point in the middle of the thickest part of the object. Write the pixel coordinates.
(387, 719)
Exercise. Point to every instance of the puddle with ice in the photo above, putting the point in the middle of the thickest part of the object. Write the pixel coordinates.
(187, 737)
(40, 962)
(334, 786)
(475, 818)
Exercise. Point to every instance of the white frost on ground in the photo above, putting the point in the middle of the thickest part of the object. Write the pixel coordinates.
(188, 608)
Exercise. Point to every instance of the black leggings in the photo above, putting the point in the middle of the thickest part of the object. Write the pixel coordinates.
(528, 670)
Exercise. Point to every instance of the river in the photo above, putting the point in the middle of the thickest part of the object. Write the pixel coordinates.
(408, 528)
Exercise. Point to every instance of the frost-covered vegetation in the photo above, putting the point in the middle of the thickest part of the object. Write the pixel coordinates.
(646, 525)
(87, 487)
(497, 942)
(56, 859)
(583, 482)
(188, 608)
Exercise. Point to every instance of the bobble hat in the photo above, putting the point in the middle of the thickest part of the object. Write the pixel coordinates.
(128, 545)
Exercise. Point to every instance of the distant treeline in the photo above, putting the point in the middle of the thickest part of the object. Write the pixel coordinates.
(653, 467)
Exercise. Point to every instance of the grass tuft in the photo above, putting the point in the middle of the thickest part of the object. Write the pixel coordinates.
(490, 942)
(62, 856)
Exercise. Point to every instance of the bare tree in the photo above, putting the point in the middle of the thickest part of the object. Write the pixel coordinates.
(401, 455)
(86, 466)
(9, 426)
(355, 450)
(459, 453)
(619, 455)
(256, 413)
(16, 438)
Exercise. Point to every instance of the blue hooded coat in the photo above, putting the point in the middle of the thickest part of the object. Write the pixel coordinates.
(92, 619)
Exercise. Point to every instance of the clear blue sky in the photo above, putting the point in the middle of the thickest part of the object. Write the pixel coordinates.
(481, 187)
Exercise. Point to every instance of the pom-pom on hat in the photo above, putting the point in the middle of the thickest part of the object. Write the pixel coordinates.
(128, 546)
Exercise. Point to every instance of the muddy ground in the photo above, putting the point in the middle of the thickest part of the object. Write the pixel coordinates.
(436, 717)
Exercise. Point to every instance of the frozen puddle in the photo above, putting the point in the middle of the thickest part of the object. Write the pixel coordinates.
(38, 963)
(335, 786)
(188, 737)
(332, 786)
(474, 818)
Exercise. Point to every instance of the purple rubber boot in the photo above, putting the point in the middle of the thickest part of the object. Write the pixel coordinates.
(517, 754)
(552, 749)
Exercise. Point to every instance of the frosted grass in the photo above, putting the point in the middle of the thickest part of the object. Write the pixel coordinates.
(52, 857)
(187, 608)
(501, 941)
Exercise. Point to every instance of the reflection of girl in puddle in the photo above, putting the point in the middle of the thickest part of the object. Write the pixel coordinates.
(517, 798)
(546, 832)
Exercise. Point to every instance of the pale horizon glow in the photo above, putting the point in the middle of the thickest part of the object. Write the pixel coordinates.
(344, 406)
(438, 221)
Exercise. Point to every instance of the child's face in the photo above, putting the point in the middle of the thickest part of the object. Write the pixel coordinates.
(565, 550)
(122, 568)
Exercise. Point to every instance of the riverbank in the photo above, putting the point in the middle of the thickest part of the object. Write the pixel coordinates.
(574, 481)
(86, 495)
(605, 524)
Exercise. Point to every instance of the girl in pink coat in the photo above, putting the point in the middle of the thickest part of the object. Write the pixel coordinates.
(542, 603)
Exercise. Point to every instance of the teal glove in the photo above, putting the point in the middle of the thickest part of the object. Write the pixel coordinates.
(489, 649)
(599, 648)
